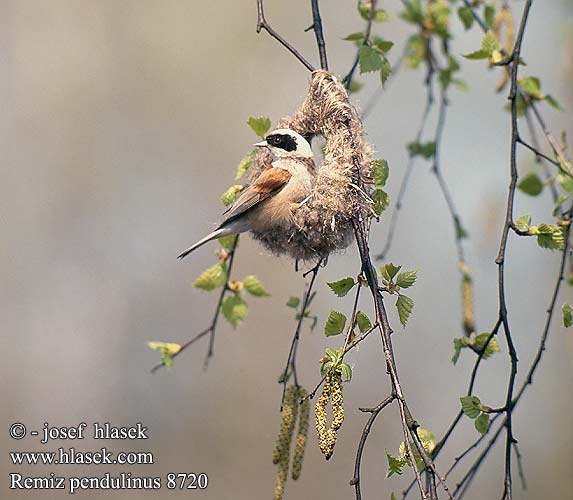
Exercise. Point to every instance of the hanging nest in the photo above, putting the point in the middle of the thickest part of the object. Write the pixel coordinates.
(341, 191)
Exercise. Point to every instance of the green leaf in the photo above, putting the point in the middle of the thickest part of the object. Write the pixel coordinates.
(520, 104)
(211, 279)
(167, 350)
(554, 103)
(567, 311)
(355, 37)
(231, 194)
(259, 125)
(565, 181)
(404, 305)
(385, 71)
(406, 279)
(370, 60)
(478, 54)
(416, 50)
(482, 423)
(335, 323)
(427, 150)
(531, 86)
(488, 15)
(235, 309)
(227, 242)
(169, 347)
(355, 86)
(381, 201)
(285, 375)
(428, 440)
(461, 233)
(365, 9)
(550, 236)
(379, 173)
(395, 465)
(531, 184)
(558, 204)
(293, 302)
(392, 496)
(492, 346)
(244, 164)
(254, 287)
(346, 371)
(333, 354)
(414, 13)
(342, 287)
(382, 45)
(490, 43)
(470, 406)
(389, 271)
(460, 84)
(381, 16)
(457, 349)
(466, 16)
(325, 368)
(523, 222)
(363, 322)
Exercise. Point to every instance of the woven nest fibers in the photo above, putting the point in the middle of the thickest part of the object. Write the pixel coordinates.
(323, 224)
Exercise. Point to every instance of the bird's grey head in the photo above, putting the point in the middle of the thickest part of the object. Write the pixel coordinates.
(286, 143)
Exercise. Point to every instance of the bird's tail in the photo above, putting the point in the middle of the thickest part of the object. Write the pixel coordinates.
(218, 233)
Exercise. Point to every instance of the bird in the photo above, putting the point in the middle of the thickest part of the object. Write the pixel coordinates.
(268, 204)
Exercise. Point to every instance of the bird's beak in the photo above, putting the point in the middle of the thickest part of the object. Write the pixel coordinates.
(262, 144)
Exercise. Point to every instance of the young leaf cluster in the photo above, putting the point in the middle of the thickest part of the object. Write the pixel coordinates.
(490, 49)
(379, 175)
(234, 307)
(425, 150)
(472, 408)
(567, 311)
(550, 236)
(372, 58)
(167, 351)
(331, 362)
(476, 343)
(397, 463)
(294, 303)
(336, 321)
(393, 283)
(531, 85)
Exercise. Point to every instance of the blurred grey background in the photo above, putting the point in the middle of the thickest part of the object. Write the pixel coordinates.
(122, 122)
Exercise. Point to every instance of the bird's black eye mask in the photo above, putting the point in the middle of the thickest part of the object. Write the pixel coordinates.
(283, 141)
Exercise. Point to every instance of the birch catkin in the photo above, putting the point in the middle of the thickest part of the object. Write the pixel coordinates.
(327, 437)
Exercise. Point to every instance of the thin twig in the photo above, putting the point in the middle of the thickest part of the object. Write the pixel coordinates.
(520, 469)
(348, 348)
(291, 360)
(557, 149)
(317, 27)
(437, 171)
(385, 333)
(374, 412)
(500, 260)
(536, 150)
(347, 80)
(213, 326)
(477, 18)
(262, 24)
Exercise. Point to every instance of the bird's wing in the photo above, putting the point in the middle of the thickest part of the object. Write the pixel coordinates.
(270, 182)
